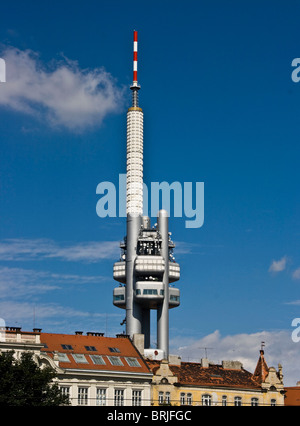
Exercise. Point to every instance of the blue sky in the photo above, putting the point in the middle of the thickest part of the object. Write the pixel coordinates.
(220, 107)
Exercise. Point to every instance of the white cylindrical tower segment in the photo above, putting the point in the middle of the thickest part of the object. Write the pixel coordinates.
(134, 189)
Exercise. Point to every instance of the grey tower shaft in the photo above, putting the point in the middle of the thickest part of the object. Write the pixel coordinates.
(163, 308)
(133, 310)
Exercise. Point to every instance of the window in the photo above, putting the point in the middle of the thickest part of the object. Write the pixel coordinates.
(167, 399)
(254, 402)
(97, 359)
(90, 348)
(114, 349)
(189, 399)
(80, 358)
(136, 397)
(137, 291)
(119, 297)
(174, 298)
(182, 398)
(160, 397)
(119, 397)
(149, 291)
(67, 347)
(206, 400)
(273, 402)
(82, 396)
(65, 390)
(63, 357)
(101, 396)
(224, 400)
(133, 362)
(237, 401)
(115, 360)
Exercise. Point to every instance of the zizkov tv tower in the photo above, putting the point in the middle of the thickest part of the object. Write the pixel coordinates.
(147, 265)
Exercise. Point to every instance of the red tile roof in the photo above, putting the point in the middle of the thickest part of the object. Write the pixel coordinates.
(121, 347)
(193, 374)
(262, 369)
(292, 396)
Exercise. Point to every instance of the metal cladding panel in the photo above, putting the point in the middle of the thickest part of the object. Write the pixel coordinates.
(134, 189)
(119, 272)
(150, 265)
(174, 272)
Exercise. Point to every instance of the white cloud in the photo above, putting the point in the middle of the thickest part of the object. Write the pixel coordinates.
(278, 265)
(36, 249)
(296, 274)
(62, 95)
(57, 318)
(20, 282)
(12, 311)
(279, 349)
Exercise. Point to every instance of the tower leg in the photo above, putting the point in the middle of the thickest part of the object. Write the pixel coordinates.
(146, 326)
(133, 309)
(163, 309)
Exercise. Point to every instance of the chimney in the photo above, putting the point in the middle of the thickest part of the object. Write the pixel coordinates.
(139, 341)
(204, 362)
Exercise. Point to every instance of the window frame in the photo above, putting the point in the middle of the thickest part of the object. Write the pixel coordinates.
(254, 401)
(206, 400)
(101, 396)
(119, 397)
(82, 395)
(77, 359)
(112, 360)
(136, 398)
(238, 401)
(94, 357)
(132, 360)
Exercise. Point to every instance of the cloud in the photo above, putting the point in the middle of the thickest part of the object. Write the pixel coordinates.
(21, 282)
(37, 249)
(61, 95)
(12, 310)
(57, 318)
(279, 349)
(278, 265)
(296, 274)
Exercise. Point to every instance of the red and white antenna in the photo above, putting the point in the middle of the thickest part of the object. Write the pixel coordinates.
(135, 59)
(135, 86)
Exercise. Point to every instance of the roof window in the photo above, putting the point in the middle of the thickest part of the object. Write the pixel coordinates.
(67, 347)
(115, 360)
(63, 357)
(97, 359)
(114, 349)
(90, 348)
(80, 359)
(132, 362)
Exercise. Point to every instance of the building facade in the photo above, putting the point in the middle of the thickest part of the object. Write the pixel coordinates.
(94, 370)
(227, 384)
(91, 369)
